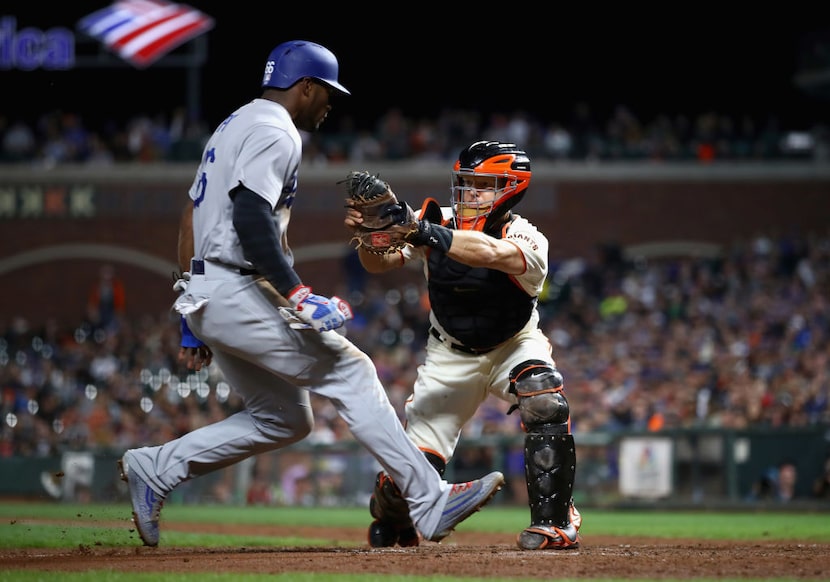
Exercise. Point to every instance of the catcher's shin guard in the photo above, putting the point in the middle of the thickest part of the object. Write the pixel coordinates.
(550, 468)
(392, 524)
(550, 457)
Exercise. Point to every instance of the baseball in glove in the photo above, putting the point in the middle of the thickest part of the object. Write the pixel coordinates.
(387, 223)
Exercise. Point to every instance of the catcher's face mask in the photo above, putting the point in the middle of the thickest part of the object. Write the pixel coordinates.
(500, 168)
(475, 195)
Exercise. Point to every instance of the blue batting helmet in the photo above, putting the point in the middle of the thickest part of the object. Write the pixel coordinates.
(295, 59)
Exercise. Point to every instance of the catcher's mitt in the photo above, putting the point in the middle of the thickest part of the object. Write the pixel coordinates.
(387, 223)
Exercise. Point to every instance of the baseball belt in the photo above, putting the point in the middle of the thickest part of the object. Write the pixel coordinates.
(458, 347)
(197, 267)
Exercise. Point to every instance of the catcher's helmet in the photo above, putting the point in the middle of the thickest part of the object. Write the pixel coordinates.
(297, 59)
(494, 166)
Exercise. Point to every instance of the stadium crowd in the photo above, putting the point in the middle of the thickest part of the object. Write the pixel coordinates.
(60, 137)
(738, 341)
(644, 344)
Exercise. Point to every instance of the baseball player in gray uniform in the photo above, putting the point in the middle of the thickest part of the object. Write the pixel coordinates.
(272, 337)
(485, 267)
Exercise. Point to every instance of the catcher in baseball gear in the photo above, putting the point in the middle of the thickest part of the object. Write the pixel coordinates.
(386, 224)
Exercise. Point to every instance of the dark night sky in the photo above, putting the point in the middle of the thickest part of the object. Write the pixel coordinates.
(424, 60)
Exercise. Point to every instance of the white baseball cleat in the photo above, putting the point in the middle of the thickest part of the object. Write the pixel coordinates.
(464, 499)
(146, 504)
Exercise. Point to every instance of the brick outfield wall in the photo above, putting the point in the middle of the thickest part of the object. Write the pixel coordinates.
(57, 229)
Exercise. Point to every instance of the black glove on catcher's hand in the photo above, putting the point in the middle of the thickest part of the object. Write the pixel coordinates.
(431, 235)
(387, 223)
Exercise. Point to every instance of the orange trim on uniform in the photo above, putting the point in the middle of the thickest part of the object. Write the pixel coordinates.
(513, 381)
(545, 391)
(433, 452)
(400, 256)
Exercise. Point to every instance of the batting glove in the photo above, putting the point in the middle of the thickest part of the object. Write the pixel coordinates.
(181, 281)
(321, 313)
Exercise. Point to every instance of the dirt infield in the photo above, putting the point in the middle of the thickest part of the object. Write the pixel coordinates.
(462, 554)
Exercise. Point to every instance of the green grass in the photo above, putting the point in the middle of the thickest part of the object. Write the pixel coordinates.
(73, 526)
(297, 577)
(81, 521)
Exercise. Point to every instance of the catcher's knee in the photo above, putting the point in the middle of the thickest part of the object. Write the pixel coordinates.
(541, 403)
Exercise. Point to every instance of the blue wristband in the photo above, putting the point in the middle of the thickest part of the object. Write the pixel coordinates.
(188, 339)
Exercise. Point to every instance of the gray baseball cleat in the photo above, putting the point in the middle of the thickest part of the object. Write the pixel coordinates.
(146, 503)
(547, 537)
(464, 500)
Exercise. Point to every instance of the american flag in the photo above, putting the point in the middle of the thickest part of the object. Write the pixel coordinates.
(143, 31)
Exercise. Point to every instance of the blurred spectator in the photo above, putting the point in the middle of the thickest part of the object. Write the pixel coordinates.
(365, 147)
(99, 153)
(821, 486)
(587, 140)
(178, 136)
(393, 134)
(74, 480)
(557, 142)
(19, 143)
(147, 139)
(259, 490)
(106, 301)
(776, 484)
(739, 341)
(54, 148)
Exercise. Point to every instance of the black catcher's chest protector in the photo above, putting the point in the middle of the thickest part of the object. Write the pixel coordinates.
(480, 307)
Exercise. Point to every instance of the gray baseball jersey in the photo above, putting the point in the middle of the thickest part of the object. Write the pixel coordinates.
(272, 365)
(258, 147)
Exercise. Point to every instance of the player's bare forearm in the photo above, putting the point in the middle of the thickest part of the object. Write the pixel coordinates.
(479, 250)
(185, 244)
